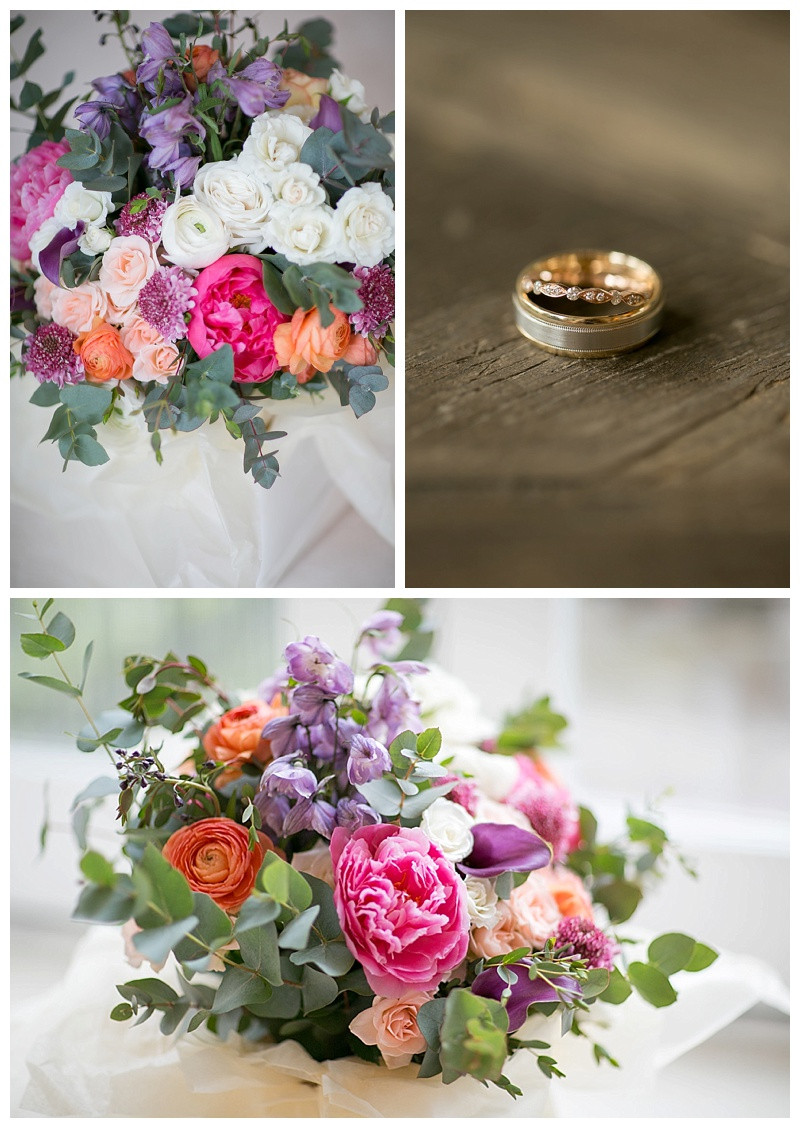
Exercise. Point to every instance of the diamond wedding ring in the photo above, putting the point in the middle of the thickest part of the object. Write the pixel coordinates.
(588, 303)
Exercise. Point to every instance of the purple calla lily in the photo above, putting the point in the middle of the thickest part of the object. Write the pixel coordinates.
(60, 247)
(525, 992)
(328, 115)
(499, 847)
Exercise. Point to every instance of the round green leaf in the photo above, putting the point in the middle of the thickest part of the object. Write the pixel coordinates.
(652, 984)
(671, 952)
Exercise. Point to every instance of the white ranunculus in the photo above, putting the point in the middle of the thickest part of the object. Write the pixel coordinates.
(80, 205)
(274, 141)
(367, 217)
(449, 827)
(239, 197)
(95, 240)
(481, 902)
(192, 235)
(448, 704)
(44, 235)
(298, 186)
(351, 91)
(494, 774)
(306, 234)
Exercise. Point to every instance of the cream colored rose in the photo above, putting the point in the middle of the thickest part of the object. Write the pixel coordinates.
(367, 217)
(158, 362)
(136, 333)
(298, 186)
(351, 92)
(449, 827)
(127, 264)
(95, 240)
(481, 902)
(239, 197)
(77, 308)
(304, 90)
(391, 1025)
(80, 205)
(192, 236)
(275, 141)
(304, 235)
(495, 775)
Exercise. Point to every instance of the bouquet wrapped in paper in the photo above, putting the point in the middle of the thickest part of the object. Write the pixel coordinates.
(216, 233)
(343, 859)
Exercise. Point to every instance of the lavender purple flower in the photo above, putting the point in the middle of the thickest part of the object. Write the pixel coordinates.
(168, 132)
(377, 293)
(255, 89)
(311, 814)
(312, 705)
(353, 813)
(285, 776)
(368, 759)
(159, 51)
(583, 939)
(164, 299)
(381, 633)
(312, 663)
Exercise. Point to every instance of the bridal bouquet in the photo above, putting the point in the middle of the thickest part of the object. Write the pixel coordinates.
(217, 232)
(322, 863)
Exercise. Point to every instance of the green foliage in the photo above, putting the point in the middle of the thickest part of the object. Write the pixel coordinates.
(473, 1037)
(536, 726)
(652, 984)
(310, 53)
(106, 165)
(420, 635)
(618, 988)
(357, 385)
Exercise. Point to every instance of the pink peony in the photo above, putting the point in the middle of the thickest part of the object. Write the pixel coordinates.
(37, 184)
(232, 308)
(401, 905)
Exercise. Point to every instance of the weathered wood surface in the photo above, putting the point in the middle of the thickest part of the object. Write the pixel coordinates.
(662, 134)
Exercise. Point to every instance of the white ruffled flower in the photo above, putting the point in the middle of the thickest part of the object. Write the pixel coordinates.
(95, 240)
(367, 217)
(239, 197)
(448, 704)
(80, 205)
(192, 236)
(449, 827)
(275, 141)
(481, 902)
(298, 186)
(351, 92)
(305, 234)
(305, 113)
(494, 774)
(41, 238)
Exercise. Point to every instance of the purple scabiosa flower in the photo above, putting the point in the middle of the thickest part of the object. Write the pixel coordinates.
(584, 940)
(49, 355)
(328, 116)
(368, 759)
(381, 633)
(312, 663)
(312, 705)
(352, 814)
(285, 776)
(311, 814)
(142, 215)
(544, 810)
(255, 89)
(159, 51)
(377, 293)
(524, 991)
(167, 131)
(282, 734)
(163, 300)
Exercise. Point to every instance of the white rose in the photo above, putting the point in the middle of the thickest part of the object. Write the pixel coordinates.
(351, 91)
(275, 141)
(304, 235)
(191, 234)
(481, 902)
(367, 217)
(41, 238)
(449, 827)
(95, 240)
(494, 774)
(80, 205)
(239, 197)
(298, 186)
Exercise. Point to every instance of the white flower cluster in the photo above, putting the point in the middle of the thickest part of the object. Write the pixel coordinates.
(268, 197)
(77, 205)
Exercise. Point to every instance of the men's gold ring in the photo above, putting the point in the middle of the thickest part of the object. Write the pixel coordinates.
(588, 303)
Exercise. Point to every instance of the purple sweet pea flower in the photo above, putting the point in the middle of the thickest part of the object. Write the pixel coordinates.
(525, 992)
(158, 50)
(393, 711)
(498, 847)
(327, 739)
(276, 683)
(95, 115)
(312, 663)
(329, 115)
(256, 88)
(381, 633)
(368, 759)
(273, 810)
(312, 705)
(352, 814)
(282, 734)
(286, 777)
(311, 814)
(165, 132)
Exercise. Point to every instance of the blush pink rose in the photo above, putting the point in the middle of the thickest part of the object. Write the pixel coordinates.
(231, 307)
(43, 291)
(76, 309)
(525, 920)
(391, 1025)
(401, 905)
(37, 184)
(127, 265)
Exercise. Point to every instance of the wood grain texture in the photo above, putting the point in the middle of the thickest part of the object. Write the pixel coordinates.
(662, 134)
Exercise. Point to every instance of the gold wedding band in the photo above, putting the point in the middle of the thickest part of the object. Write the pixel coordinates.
(588, 303)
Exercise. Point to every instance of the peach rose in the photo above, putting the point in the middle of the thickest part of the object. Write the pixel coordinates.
(157, 362)
(360, 351)
(303, 346)
(569, 893)
(391, 1025)
(303, 89)
(103, 354)
(136, 333)
(317, 861)
(526, 920)
(127, 265)
(43, 290)
(235, 738)
(77, 308)
(214, 857)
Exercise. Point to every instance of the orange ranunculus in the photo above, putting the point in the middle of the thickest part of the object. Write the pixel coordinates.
(304, 347)
(360, 351)
(303, 89)
(203, 59)
(235, 738)
(214, 857)
(569, 893)
(103, 354)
